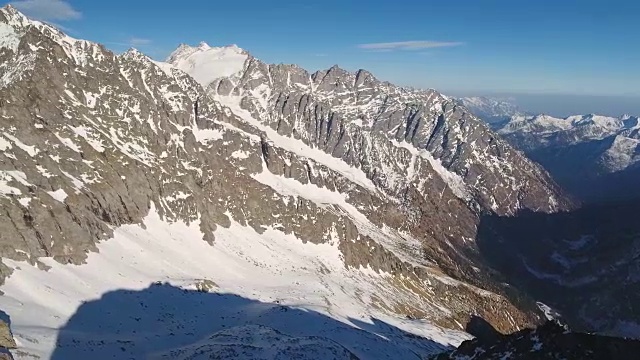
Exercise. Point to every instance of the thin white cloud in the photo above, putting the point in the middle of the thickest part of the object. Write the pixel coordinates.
(408, 45)
(131, 42)
(48, 10)
(139, 41)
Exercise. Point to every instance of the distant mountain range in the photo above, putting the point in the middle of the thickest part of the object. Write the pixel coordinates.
(492, 109)
(596, 158)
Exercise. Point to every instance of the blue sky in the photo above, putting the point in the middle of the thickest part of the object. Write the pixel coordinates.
(579, 47)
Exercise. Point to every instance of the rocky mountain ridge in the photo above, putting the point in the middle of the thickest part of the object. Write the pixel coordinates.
(114, 164)
(360, 108)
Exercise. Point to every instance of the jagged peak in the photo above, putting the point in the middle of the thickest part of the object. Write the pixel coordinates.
(19, 24)
(15, 18)
(363, 75)
(11, 10)
(337, 69)
(135, 54)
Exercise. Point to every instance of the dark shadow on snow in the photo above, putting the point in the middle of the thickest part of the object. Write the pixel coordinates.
(128, 324)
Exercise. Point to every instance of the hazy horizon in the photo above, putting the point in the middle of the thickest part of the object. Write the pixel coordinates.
(562, 105)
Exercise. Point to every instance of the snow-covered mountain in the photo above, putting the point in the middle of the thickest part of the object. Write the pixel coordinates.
(324, 211)
(492, 109)
(595, 157)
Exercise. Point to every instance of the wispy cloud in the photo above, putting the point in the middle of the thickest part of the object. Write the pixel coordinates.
(408, 45)
(47, 10)
(134, 41)
(131, 42)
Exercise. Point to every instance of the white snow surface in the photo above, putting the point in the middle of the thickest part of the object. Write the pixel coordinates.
(252, 272)
(8, 37)
(59, 195)
(4, 144)
(206, 64)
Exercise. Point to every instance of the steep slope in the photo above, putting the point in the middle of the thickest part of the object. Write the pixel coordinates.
(595, 157)
(118, 171)
(584, 264)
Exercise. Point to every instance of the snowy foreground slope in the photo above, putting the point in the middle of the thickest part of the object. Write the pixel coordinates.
(328, 210)
(272, 279)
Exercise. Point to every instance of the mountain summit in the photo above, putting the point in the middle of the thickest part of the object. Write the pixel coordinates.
(206, 64)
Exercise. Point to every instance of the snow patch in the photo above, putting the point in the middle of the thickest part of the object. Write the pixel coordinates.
(453, 180)
(204, 136)
(4, 144)
(29, 149)
(68, 143)
(206, 64)
(8, 37)
(6, 177)
(59, 195)
(240, 154)
(88, 135)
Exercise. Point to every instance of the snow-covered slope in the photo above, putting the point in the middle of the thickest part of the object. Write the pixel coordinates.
(267, 274)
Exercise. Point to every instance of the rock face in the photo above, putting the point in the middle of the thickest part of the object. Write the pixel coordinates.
(91, 141)
(597, 158)
(549, 341)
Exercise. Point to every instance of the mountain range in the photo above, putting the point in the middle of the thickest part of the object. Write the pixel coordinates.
(594, 157)
(216, 204)
(597, 158)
